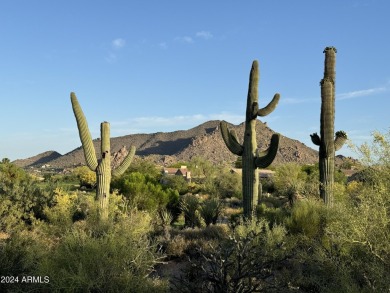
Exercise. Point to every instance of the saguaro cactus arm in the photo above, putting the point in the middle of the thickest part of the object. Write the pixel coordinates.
(315, 138)
(341, 138)
(125, 163)
(270, 107)
(85, 135)
(231, 140)
(264, 159)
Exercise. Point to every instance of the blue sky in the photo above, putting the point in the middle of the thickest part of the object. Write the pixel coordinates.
(149, 66)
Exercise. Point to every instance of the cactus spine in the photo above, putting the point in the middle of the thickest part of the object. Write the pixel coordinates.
(328, 142)
(102, 167)
(252, 158)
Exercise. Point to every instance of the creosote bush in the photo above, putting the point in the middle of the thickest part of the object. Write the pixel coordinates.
(86, 255)
(117, 261)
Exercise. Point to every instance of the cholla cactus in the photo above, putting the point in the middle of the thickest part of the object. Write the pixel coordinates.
(252, 158)
(102, 167)
(328, 141)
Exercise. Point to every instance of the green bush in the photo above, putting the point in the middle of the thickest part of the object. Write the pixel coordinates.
(228, 184)
(86, 177)
(119, 260)
(22, 200)
(145, 193)
(178, 183)
(20, 255)
(145, 167)
(361, 232)
(289, 180)
(308, 217)
(274, 215)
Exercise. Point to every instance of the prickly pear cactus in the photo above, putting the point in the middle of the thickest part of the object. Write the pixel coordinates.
(252, 158)
(328, 141)
(102, 167)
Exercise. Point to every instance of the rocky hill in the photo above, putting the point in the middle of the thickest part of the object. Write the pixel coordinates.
(165, 148)
(38, 160)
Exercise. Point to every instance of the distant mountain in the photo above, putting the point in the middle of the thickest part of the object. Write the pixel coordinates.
(38, 160)
(165, 148)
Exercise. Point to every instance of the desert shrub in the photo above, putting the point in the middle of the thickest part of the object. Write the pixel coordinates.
(20, 255)
(289, 180)
(201, 167)
(162, 224)
(145, 193)
(178, 183)
(340, 177)
(210, 209)
(217, 232)
(308, 217)
(267, 185)
(346, 248)
(228, 184)
(362, 235)
(188, 241)
(189, 205)
(86, 177)
(274, 215)
(60, 214)
(245, 261)
(145, 167)
(176, 246)
(120, 260)
(22, 201)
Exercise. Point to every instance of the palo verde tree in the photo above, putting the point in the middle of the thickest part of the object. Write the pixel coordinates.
(102, 167)
(252, 158)
(328, 141)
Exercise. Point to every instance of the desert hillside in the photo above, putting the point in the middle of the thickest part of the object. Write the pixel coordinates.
(165, 148)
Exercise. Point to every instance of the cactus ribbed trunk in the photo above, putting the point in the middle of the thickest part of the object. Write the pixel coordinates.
(252, 159)
(327, 152)
(327, 179)
(327, 142)
(250, 173)
(103, 171)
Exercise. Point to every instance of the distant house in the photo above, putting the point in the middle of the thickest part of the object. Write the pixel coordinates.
(182, 171)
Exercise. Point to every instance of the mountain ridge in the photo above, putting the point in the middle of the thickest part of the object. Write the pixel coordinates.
(166, 148)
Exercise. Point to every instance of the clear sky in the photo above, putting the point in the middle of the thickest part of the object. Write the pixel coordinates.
(149, 66)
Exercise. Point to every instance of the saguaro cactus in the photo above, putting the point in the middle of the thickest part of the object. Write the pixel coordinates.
(102, 167)
(328, 142)
(252, 158)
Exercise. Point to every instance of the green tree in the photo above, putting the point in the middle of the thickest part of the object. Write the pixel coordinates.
(178, 183)
(146, 167)
(201, 167)
(227, 184)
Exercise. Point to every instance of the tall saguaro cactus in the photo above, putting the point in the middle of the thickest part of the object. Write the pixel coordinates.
(102, 167)
(328, 142)
(252, 158)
